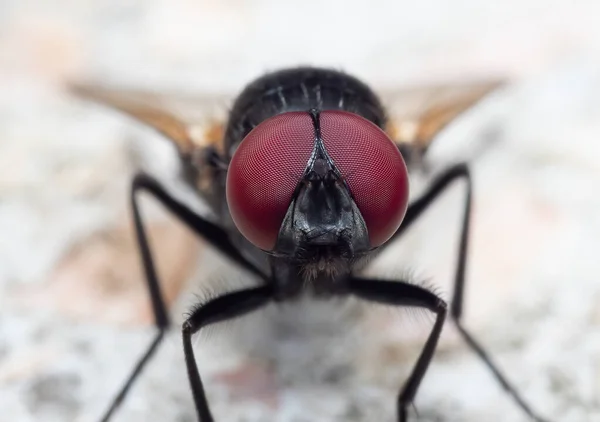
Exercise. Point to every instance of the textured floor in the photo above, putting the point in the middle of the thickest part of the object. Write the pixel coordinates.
(73, 315)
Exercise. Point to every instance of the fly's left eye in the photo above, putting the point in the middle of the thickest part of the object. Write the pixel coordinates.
(373, 169)
(264, 172)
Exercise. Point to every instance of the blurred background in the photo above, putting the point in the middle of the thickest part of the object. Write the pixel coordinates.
(73, 312)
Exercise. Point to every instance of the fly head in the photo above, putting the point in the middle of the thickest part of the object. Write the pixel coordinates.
(318, 191)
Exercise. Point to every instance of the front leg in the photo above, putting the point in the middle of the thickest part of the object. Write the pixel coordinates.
(456, 173)
(401, 293)
(226, 307)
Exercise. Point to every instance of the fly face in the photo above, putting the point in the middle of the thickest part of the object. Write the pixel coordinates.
(317, 190)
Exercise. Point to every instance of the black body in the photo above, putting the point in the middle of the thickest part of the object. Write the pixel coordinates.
(293, 90)
(299, 89)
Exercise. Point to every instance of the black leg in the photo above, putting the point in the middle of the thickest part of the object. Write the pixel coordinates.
(439, 185)
(213, 234)
(136, 371)
(400, 293)
(222, 308)
(216, 236)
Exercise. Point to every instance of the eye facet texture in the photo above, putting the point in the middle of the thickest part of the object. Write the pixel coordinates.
(264, 173)
(373, 169)
(270, 162)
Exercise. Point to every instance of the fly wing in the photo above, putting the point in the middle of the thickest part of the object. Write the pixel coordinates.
(194, 124)
(416, 115)
(191, 123)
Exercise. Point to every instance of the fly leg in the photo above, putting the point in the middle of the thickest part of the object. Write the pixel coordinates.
(399, 293)
(216, 236)
(226, 307)
(438, 186)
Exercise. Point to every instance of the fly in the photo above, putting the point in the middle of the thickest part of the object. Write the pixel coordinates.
(308, 176)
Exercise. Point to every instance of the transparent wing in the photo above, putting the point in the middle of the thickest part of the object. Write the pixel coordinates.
(191, 122)
(194, 124)
(417, 114)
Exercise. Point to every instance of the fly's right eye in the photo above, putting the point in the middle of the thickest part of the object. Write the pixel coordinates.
(373, 167)
(264, 172)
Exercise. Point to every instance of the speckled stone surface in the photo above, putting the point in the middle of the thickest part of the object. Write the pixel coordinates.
(73, 312)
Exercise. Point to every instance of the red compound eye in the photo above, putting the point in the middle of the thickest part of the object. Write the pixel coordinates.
(373, 168)
(270, 161)
(264, 173)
